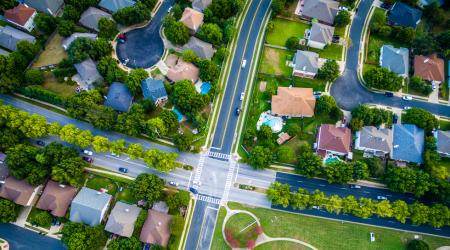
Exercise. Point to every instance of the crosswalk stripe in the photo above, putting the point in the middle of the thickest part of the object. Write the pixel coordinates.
(229, 182)
(208, 199)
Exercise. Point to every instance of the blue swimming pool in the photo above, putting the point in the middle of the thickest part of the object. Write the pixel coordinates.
(331, 159)
(179, 114)
(205, 88)
(271, 123)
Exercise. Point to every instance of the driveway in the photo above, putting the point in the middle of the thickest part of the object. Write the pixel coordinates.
(349, 92)
(144, 46)
(23, 239)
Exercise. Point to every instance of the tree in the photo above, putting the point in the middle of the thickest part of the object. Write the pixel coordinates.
(69, 171)
(260, 157)
(71, 13)
(100, 144)
(309, 164)
(178, 200)
(400, 210)
(107, 28)
(434, 14)
(34, 126)
(147, 187)
(292, 43)
(170, 120)
(277, 6)
(417, 245)
(421, 118)
(28, 50)
(133, 14)
(186, 98)
(378, 21)
(342, 18)
(135, 151)
(382, 78)
(117, 146)
(419, 213)
(7, 4)
(66, 28)
(293, 129)
(102, 117)
(109, 69)
(209, 71)
(22, 163)
(220, 55)
(407, 180)
(338, 172)
(83, 48)
(135, 79)
(265, 135)
(365, 116)
(278, 194)
(177, 11)
(365, 208)
(189, 56)
(424, 44)
(212, 33)
(325, 104)
(333, 204)
(77, 236)
(383, 209)
(155, 128)
(300, 199)
(45, 23)
(8, 211)
(34, 77)
(329, 71)
(133, 122)
(41, 219)
(285, 154)
(149, 3)
(438, 216)
(360, 170)
(176, 32)
(124, 243)
(420, 85)
(183, 141)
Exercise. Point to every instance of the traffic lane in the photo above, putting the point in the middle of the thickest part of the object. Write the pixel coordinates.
(201, 219)
(374, 221)
(23, 239)
(244, 75)
(213, 179)
(249, 197)
(297, 181)
(232, 77)
(207, 227)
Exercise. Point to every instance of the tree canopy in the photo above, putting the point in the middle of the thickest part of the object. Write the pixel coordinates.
(77, 236)
(147, 187)
(421, 118)
(137, 13)
(382, 78)
(176, 32)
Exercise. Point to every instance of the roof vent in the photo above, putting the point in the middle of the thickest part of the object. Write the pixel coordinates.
(396, 146)
(304, 68)
(99, 193)
(426, 60)
(62, 186)
(127, 210)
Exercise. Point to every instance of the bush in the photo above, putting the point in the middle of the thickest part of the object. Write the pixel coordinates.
(292, 43)
(133, 14)
(176, 32)
(420, 85)
(417, 245)
(382, 78)
(42, 95)
(342, 18)
(34, 77)
(42, 219)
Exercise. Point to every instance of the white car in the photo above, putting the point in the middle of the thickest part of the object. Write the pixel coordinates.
(372, 237)
(379, 197)
(114, 154)
(406, 107)
(87, 152)
(172, 183)
(244, 62)
(170, 8)
(242, 96)
(407, 98)
(433, 85)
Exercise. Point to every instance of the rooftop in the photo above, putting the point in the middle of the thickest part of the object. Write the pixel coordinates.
(156, 229)
(294, 102)
(18, 191)
(336, 139)
(9, 37)
(115, 5)
(430, 68)
(404, 15)
(119, 97)
(122, 218)
(408, 143)
(375, 139)
(91, 16)
(395, 60)
(56, 198)
(19, 14)
(321, 33)
(183, 71)
(88, 206)
(192, 19)
(306, 61)
(323, 10)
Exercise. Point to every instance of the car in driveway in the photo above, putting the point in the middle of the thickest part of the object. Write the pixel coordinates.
(407, 98)
(123, 170)
(88, 159)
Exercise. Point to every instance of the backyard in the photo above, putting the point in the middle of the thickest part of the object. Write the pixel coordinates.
(275, 62)
(338, 235)
(283, 29)
(331, 51)
(64, 90)
(52, 54)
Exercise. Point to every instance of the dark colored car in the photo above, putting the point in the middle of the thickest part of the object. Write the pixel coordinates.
(88, 159)
(395, 118)
(238, 111)
(40, 143)
(193, 190)
(389, 94)
(123, 170)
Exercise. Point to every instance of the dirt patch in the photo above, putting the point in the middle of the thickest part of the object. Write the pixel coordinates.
(52, 54)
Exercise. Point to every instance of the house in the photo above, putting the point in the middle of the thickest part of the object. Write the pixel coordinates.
(156, 229)
(66, 42)
(430, 68)
(89, 206)
(408, 143)
(115, 5)
(443, 142)
(320, 35)
(183, 71)
(154, 90)
(87, 74)
(333, 140)
(395, 60)
(293, 102)
(52, 7)
(19, 191)
(404, 15)
(2, 157)
(323, 10)
(22, 16)
(56, 198)
(192, 19)
(119, 97)
(161, 207)
(91, 16)
(201, 5)
(9, 37)
(305, 64)
(122, 218)
(203, 49)
(374, 141)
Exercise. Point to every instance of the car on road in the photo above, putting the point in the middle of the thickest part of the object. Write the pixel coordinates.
(123, 170)
(395, 118)
(380, 197)
(317, 93)
(389, 94)
(355, 186)
(244, 62)
(407, 98)
(87, 152)
(406, 107)
(114, 154)
(238, 111)
(372, 237)
(88, 159)
(193, 190)
(242, 96)
(40, 143)
(172, 183)
(170, 9)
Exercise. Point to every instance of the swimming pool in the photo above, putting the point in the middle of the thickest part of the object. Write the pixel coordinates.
(205, 88)
(331, 159)
(179, 114)
(274, 122)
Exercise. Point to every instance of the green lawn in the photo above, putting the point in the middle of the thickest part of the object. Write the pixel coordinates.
(126, 195)
(218, 242)
(242, 228)
(444, 125)
(99, 182)
(340, 31)
(331, 51)
(274, 62)
(325, 234)
(176, 231)
(317, 85)
(283, 29)
(62, 89)
(281, 245)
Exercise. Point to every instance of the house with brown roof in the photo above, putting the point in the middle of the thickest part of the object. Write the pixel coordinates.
(333, 140)
(430, 68)
(18, 191)
(56, 198)
(192, 19)
(183, 71)
(156, 229)
(22, 16)
(294, 102)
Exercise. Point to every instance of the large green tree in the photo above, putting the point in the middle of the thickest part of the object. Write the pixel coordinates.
(8, 211)
(279, 194)
(186, 98)
(421, 118)
(125, 243)
(137, 13)
(212, 33)
(176, 32)
(107, 28)
(77, 236)
(147, 187)
(382, 78)
(135, 79)
(260, 157)
(329, 71)
(309, 163)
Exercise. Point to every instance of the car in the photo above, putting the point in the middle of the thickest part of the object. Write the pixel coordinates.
(343, 8)
(88, 159)
(355, 186)
(123, 170)
(407, 98)
(172, 183)
(114, 154)
(372, 237)
(238, 111)
(406, 107)
(193, 190)
(170, 9)
(87, 152)
(40, 143)
(336, 39)
(395, 118)
(433, 85)
(318, 93)
(389, 94)
(244, 62)
(380, 197)
(242, 96)
(147, 246)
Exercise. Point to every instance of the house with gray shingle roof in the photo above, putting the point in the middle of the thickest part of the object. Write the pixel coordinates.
(374, 141)
(119, 97)
(408, 143)
(52, 7)
(87, 74)
(115, 5)
(91, 16)
(122, 218)
(154, 90)
(201, 5)
(305, 64)
(395, 60)
(69, 40)
(203, 49)
(443, 142)
(89, 206)
(320, 35)
(323, 10)
(10, 37)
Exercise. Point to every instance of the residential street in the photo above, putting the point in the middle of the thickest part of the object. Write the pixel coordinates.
(23, 239)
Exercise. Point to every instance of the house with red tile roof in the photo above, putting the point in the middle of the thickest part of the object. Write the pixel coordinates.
(22, 16)
(192, 19)
(333, 140)
(430, 68)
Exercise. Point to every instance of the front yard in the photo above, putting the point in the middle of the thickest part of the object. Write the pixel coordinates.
(283, 29)
(63, 89)
(275, 62)
(331, 51)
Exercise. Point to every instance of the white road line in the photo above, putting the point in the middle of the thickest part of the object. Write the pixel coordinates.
(228, 183)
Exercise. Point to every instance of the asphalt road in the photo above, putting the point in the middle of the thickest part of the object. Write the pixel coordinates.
(348, 90)
(202, 230)
(245, 49)
(144, 46)
(23, 239)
